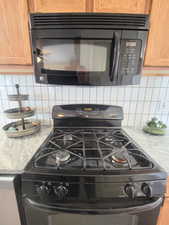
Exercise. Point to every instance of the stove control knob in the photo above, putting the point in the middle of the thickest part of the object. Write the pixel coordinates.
(147, 190)
(43, 190)
(60, 191)
(130, 191)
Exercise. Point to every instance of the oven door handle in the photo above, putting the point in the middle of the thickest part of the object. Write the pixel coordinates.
(129, 210)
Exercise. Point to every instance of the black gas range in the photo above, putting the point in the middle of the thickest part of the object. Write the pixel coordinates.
(89, 167)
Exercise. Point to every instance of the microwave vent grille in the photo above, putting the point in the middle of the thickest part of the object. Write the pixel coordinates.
(89, 20)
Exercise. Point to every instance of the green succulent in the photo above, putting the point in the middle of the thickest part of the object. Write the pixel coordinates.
(155, 123)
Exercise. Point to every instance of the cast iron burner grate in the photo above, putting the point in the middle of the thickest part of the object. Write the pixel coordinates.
(90, 149)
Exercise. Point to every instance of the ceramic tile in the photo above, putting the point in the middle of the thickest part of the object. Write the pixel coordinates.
(120, 95)
(143, 81)
(148, 94)
(157, 81)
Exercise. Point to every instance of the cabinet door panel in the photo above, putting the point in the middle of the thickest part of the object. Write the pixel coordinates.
(122, 6)
(167, 189)
(58, 5)
(158, 45)
(14, 34)
(164, 215)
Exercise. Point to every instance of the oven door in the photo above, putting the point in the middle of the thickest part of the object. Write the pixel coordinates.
(41, 214)
(83, 58)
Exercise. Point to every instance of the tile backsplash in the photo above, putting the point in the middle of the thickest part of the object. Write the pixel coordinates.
(139, 102)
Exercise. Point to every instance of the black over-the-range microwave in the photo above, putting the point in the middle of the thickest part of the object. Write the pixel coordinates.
(88, 48)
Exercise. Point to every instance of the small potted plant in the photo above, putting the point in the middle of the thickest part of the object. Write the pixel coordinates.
(155, 126)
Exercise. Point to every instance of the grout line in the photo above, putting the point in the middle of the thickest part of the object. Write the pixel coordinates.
(141, 121)
(135, 117)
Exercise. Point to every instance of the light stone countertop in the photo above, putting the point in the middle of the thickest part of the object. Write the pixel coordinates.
(15, 153)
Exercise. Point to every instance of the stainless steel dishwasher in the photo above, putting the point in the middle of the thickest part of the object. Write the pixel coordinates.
(9, 213)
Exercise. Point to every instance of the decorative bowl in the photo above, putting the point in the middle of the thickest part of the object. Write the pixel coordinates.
(154, 130)
(14, 129)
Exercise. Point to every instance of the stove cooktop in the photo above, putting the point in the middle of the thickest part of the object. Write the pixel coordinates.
(88, 139)
(89, 157)
(88, 149)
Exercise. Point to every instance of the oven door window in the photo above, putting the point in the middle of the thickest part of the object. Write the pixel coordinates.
(84, 61)
(45, 217)
(65, 219)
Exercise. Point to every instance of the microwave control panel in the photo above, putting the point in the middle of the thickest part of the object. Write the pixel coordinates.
(130, 57)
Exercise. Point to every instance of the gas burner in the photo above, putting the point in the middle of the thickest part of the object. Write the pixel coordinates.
(61, 156)
(67, 137)
(119, 160)
(109, 139)
(118, 144)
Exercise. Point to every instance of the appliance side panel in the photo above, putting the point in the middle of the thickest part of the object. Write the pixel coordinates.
(9, 213)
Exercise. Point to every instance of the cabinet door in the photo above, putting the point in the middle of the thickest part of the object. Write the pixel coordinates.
(164, 215)
(157, 53)
(57, 5)
(14, 34)
(9, 214)
(122, 6)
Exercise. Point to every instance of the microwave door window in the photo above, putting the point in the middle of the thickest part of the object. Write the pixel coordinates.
(81, 61)
(59, 57)
(93, 57)
(75, 55)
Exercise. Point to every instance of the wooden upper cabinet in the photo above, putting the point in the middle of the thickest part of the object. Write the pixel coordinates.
(122, 6)
(57, 5)
(164, 215)
(157, 53)
(14, 34)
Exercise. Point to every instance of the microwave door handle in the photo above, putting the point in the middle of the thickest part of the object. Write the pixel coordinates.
(130, 210)
(140, 65)
(115, 59)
